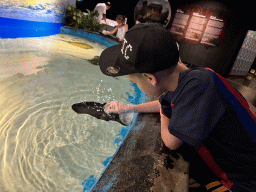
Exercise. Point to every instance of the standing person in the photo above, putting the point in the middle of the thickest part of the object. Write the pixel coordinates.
(102, 9)
(121, 28)
(197, 106)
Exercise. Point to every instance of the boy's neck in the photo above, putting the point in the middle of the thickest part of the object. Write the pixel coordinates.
(182, 66)
(174, 77)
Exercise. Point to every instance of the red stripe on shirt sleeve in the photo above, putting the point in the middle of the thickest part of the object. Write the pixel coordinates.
(172, 105)
(161, 111)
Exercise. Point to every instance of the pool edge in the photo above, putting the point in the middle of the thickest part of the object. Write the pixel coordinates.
(93, 36)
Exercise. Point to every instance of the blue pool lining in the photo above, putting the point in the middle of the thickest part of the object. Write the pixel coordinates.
(140, 98)
(93, 36)
(16, 28)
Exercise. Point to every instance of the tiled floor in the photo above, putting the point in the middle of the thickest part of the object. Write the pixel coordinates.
(253, 83)
(241, 80)
(248, 90)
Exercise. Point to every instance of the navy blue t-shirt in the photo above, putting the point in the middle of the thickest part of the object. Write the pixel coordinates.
(206, 112)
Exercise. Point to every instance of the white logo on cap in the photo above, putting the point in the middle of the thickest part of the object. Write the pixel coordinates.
(113, 70)
(125, 47)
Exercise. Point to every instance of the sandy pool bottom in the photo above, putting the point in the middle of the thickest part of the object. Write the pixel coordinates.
(46, 146)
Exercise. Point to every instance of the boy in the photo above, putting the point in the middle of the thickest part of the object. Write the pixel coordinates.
(102, 8)
(197, 106)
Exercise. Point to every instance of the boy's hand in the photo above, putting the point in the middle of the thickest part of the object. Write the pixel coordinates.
(117, 107)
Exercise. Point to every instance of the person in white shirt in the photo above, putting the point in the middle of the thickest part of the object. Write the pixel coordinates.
(102, 8)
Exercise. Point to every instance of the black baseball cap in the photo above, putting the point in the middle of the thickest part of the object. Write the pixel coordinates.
(146, 48)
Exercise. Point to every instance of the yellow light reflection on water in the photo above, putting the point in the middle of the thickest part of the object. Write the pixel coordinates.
(33, 2)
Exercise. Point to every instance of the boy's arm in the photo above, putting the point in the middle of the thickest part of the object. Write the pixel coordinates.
(169, 140)
(149, 107)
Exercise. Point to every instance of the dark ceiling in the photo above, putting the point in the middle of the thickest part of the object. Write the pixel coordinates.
(243, 12)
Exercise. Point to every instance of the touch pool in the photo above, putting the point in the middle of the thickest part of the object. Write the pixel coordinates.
(46, 146)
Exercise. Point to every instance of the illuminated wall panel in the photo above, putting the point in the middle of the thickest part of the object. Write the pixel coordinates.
(198, 25)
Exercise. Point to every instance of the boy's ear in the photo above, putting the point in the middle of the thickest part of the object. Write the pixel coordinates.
(151, 78)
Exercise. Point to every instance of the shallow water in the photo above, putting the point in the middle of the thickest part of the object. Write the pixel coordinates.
(46, 146)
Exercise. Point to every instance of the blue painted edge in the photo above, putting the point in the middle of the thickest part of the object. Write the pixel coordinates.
(121, 137)
(15, 28)
(93, 36)
(89, 183)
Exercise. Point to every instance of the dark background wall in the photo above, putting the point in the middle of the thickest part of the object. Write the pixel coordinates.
(240, 17)
(117, 8)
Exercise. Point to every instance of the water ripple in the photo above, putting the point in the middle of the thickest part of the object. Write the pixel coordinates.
(46, 146)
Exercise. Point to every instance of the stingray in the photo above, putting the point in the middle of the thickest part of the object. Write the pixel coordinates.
(96, 110)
